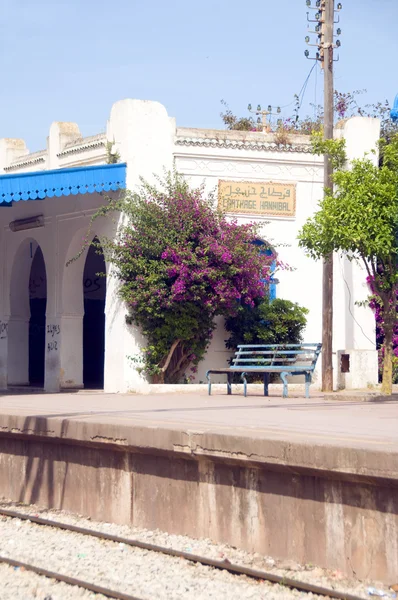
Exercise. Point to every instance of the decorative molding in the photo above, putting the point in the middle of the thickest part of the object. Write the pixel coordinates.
(240, 145)
(62, 182)
(82, 145)
(218, 166)
(27, 161)
(85, 161)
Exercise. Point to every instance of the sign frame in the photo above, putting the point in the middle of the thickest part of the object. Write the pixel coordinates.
(258, 185)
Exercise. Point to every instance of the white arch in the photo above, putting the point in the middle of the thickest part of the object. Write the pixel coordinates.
(72, 309)
(19, 311)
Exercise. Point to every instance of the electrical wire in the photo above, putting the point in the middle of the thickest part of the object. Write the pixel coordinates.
(314, 157)
(303, 87)
(315, 92)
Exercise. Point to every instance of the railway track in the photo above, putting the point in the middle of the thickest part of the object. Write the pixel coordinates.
(224, 565)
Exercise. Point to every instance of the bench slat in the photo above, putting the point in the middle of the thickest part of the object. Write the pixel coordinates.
(264, 361)
(272, 368)
(272, 352)
(285, 359)
(282, 346)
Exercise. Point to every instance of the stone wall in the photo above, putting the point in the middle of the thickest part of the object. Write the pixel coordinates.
(329, 505)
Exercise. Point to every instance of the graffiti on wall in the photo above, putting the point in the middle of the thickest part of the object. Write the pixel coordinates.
(3, 330)
(53, 331)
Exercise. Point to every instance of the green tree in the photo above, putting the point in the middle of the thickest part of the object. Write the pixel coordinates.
(360, 219)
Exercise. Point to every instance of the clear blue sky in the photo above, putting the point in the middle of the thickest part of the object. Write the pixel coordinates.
(70, 60)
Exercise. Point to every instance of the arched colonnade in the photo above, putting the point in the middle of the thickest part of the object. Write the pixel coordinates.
(52, 332)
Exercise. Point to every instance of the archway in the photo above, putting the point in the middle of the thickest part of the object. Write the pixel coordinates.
(37, 321)
(94, 294)
(26, 330)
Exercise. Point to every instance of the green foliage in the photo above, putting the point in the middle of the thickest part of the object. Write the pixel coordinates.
(112, 155)
(180, 263)
(334, 148)
(276, 322)
(360, 219)
(231, 121)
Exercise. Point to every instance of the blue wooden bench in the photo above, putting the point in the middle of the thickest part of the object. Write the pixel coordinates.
(285, 359)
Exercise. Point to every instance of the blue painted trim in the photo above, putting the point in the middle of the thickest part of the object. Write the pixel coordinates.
(271, 283)
(394, 110)
(62, 182)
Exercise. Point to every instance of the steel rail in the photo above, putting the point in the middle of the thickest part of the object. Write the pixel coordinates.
(224, 565)
(92, 587)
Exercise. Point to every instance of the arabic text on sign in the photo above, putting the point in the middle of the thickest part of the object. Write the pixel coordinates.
(260, 198)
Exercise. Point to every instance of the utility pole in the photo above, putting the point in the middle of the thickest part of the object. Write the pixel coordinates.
(327, 291)
(324, 30)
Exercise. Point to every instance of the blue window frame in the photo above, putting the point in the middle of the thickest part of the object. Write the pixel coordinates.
(268, 252)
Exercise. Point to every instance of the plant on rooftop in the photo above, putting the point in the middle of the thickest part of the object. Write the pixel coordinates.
(346, 105)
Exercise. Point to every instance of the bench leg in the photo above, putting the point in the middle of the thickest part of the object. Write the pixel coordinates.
(284, 380)
(208, 382)
(243, 378)
(229, 382)
(307, 384)
(266, 382)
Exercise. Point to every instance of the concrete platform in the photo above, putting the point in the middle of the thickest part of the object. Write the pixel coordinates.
(309, 480)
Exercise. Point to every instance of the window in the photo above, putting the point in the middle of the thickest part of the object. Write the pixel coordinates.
(265, 249)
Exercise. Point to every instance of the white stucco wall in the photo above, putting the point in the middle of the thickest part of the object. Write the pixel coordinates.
(303, 169)
(149, 142)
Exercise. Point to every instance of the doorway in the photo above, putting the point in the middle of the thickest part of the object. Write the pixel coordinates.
(37, 320)
(94, 294)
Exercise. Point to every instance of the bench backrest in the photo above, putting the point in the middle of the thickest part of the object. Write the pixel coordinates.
(272, 355)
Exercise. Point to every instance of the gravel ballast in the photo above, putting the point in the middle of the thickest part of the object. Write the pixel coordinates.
(140, 572)
(17, 584)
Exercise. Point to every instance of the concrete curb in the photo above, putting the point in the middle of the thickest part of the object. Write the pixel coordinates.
(359, 396)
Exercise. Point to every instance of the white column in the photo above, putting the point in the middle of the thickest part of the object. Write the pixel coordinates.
(71, 367)
(354, 324)
(18, 350)
(144, 136)
(10, 150)
(3, 352)
(60, 134)
(52, 353)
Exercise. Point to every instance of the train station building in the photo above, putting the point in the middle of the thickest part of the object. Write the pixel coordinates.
(63, 327)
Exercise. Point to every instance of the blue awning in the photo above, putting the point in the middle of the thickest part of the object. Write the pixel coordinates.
(62, 182)
(394, 110)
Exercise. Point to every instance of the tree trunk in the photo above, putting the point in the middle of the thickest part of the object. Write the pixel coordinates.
(160, 377)
(388, 326)
(178, 365)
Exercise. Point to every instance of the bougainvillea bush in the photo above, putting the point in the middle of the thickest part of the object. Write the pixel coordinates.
(376, 305)
(181, 263)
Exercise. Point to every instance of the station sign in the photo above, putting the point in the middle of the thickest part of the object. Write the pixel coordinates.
(263, 198)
